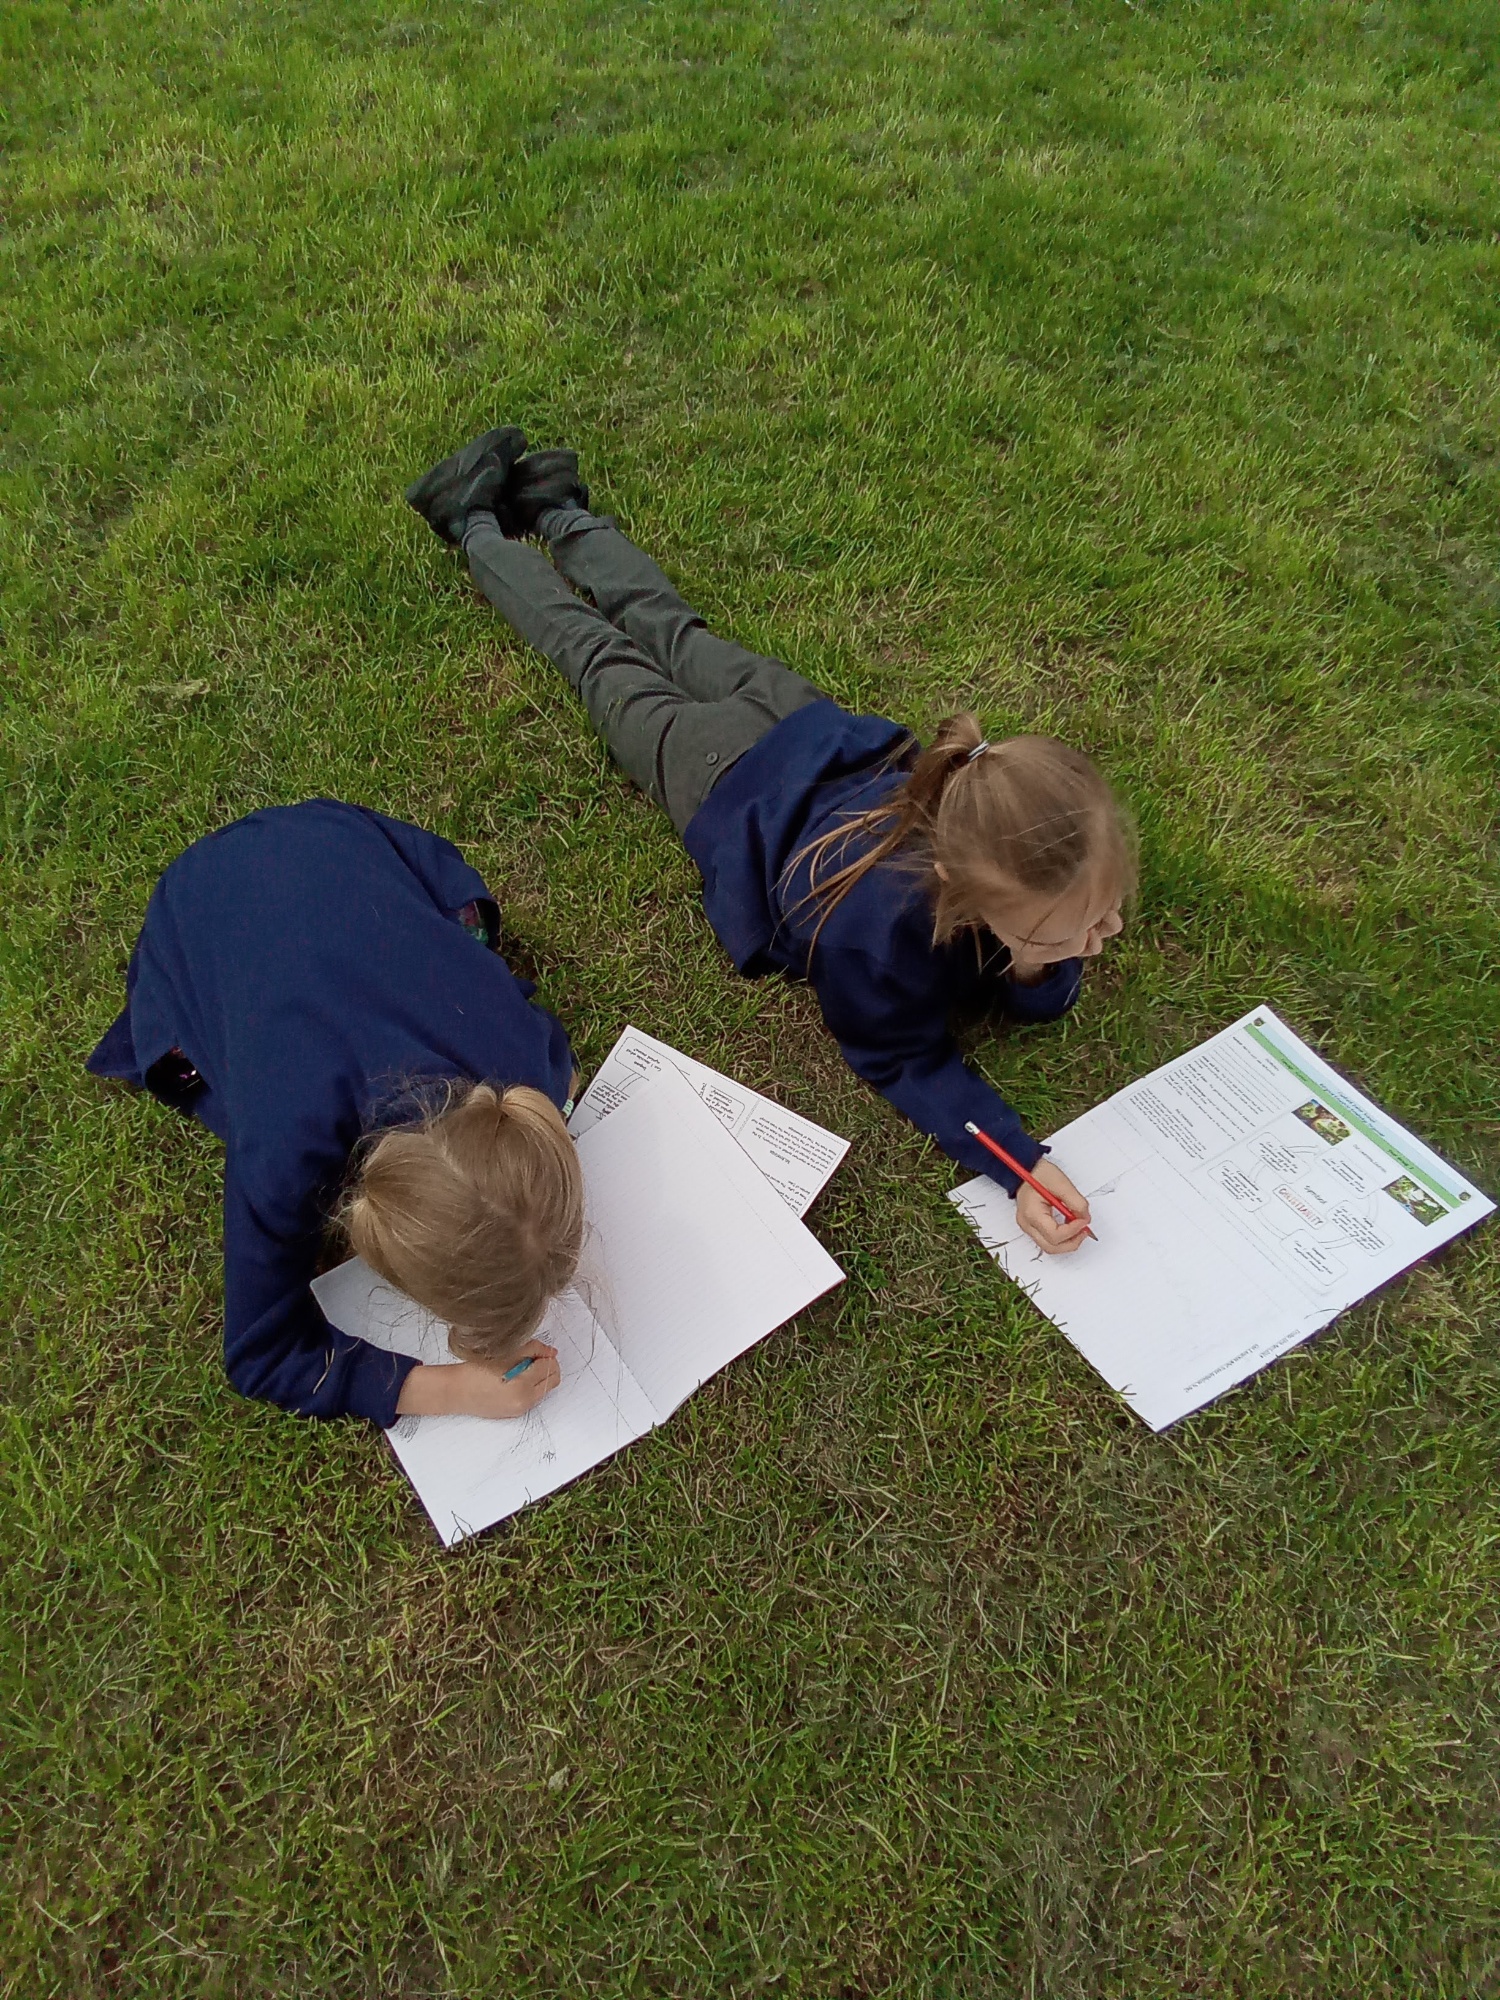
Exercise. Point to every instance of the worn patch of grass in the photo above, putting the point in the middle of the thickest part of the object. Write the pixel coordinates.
(1128, 370)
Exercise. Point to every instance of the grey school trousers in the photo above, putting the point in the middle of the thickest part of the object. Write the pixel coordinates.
(675, 704)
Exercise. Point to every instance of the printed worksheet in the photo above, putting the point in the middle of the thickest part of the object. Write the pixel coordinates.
(797, 1157)
(690, 1258)
(1242, 1196)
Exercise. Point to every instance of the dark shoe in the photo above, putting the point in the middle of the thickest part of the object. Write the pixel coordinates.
(473, 477)
(541, 480)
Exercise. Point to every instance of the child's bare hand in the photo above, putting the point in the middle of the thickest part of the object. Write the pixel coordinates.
(493, 1396)
(478, 1389)
(1042, 1222)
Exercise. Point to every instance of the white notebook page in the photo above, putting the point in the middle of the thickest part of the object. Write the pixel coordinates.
(701, 1256)
(469, 1473)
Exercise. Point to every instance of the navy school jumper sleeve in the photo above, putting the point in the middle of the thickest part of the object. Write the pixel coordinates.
(886, 990)
(308, 963)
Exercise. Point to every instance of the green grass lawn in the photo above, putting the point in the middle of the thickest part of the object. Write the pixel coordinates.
(1127, 370)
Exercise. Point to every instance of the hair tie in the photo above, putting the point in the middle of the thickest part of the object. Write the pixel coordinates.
(978, 751)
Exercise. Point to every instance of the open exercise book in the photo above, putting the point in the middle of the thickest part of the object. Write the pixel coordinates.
(691, 1256)
(1244, 1195)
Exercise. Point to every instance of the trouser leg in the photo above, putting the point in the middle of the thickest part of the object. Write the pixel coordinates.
(641, 599)
(673, 747)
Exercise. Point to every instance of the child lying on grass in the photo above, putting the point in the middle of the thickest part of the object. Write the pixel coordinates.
(905, 884)
(320, 986)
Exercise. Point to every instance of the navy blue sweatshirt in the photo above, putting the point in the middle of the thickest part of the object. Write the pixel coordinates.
(886, 990)
(297, 974)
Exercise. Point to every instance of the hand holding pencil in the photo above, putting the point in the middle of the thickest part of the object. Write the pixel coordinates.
(1048, 1207)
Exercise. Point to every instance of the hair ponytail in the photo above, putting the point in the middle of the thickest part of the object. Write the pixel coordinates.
(1018, 820)
(901, 828)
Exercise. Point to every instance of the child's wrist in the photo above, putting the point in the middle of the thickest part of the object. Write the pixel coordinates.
(430, 1391)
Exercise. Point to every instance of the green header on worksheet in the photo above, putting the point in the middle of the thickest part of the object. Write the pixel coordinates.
(1353, 1115)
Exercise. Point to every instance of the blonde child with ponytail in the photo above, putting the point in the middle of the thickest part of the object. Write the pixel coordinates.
(906, 884)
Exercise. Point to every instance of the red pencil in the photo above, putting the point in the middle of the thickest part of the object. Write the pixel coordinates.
(1054, 1201)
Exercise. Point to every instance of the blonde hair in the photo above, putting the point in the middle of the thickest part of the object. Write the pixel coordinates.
(476, 1212)
(991, 823)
